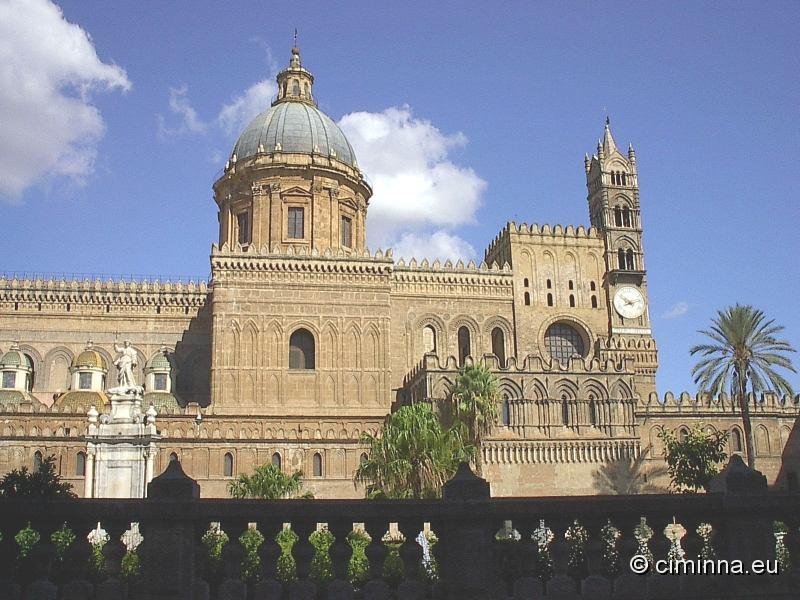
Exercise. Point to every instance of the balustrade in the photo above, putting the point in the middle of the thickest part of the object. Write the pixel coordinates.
(467, 545)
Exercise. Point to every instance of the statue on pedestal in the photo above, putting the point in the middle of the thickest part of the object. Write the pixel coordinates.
(127, 360)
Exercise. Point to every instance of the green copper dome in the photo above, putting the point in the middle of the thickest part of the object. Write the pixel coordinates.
(14, 358)
(294, 127)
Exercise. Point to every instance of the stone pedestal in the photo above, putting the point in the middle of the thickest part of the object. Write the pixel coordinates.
(121, 447)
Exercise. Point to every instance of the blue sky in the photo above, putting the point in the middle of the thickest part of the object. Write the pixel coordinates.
(111, 142)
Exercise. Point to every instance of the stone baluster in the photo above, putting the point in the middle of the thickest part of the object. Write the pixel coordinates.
(169, 550)
(466, 536)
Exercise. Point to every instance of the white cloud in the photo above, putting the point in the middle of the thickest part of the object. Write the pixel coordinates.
(417, 187)
(232, 117)
(48, 71)
(679, 309)
(235, 116)
(438, 244)
(180, 106)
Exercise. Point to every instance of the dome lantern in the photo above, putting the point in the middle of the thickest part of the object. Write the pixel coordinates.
(295, 83)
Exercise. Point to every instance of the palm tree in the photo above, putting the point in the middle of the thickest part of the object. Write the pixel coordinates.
(268, 483)
(413, 455)
(744, 350)
(473, 401)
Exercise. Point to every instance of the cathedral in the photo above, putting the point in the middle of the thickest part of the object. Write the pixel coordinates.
(303, 338)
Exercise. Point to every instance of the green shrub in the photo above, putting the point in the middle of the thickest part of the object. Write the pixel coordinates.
(286, 567)
(62, 539)
(26, 539)
(321, 570)
(358, 567)
(251, 541)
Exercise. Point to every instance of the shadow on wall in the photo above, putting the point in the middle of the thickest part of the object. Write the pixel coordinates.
(193, 360)
(631, 476)
(789, 474)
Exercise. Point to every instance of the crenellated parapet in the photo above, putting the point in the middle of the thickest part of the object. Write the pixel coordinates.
(685, 403)
(551, 235)
(450, 279)
(63, 294)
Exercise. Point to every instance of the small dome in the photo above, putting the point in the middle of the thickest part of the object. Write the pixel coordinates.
(294, 127)
(91, 359)
(162, 401)
(16, 359)
(81, 400)
(160, 362)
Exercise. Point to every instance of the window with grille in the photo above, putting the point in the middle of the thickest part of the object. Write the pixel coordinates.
(160, 381)
(563, 342)
(296, 223)
(9, 379)
(346, 230)
(84, 381)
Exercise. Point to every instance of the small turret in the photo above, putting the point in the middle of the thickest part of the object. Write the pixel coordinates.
(294, 82)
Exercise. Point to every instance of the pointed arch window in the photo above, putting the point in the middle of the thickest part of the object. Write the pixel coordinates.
(80, 464)
(549, 299)
(172, 456)
(592, 410)
(563, 342)
(227, 465)
(506, 412)
(317, 465)
(617, 216)
(463, 344)
(499, 345)
(429, 339)
(594, 301)
(564, 410)
(736, 440)
(301, 350)
(683, 434)
(37, 460)
(572, 301)
(525, 282)
(276, 460)
(527, 298)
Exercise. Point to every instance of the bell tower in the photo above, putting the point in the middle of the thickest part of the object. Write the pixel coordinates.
(612, 182)
(613, 195)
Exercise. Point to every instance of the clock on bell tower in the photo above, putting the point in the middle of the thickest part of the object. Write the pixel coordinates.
(613, 187)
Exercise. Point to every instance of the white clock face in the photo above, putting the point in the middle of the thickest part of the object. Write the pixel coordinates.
(629, 302)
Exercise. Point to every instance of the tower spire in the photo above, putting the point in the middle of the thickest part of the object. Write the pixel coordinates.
(609, 145)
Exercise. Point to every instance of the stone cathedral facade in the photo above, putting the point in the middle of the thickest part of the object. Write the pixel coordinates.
(303, 338)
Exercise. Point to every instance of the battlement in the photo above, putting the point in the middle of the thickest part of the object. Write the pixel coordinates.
(298, 260)
(545, 233)
(53, 291)
(529, 364)
(704, 402)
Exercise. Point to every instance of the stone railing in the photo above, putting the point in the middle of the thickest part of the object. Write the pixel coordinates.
(466, 546)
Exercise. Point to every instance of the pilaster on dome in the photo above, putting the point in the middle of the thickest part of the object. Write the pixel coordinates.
(609, 145)
(295, 84)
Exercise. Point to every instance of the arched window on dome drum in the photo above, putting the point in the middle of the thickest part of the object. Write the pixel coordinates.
(506, 412)
(80, 464)
(227, 465)
(37, 460)
(527, 298)
(429, 339)
(317, 465)
(276, 460)
(463, 344)
(563, 342)
(301, 350)
(736, 440)
(499, 345)
(295, 88)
